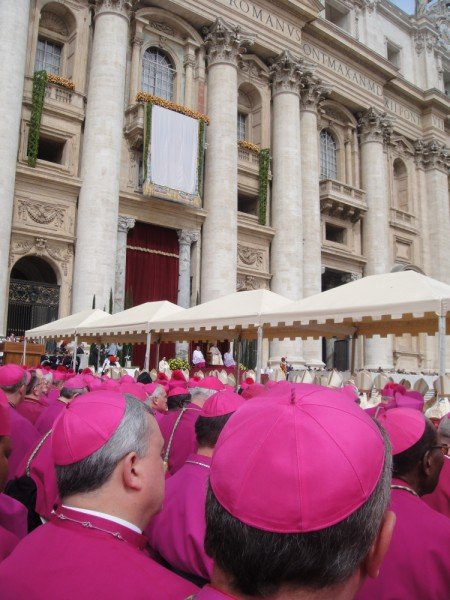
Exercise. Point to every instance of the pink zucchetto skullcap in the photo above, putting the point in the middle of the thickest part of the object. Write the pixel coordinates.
(222, 403)
(410, 400)
(178, 375)
(177, 391)
(404, 426)
(75, 383)
(58, 376)
(162, 377)
(11, 375)
(85, 425)
(127, 379)
(253, 390)
(5, 423)
(194, 381)
(298, 440)
(210, 383)
(135, 389)
(248, 381)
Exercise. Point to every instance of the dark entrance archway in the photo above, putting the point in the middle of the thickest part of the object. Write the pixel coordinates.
(33, 295)
(335, 353)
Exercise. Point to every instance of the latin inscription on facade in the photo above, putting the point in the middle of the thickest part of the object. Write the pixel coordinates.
(402, 111)
(334, 64)
(264, 17)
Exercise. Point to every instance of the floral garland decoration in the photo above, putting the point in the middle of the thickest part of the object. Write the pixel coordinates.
(61, 81)
(201, 157)
(180, 108)
(147, 134)
(37, 104)
(245, 145)
(263, 184)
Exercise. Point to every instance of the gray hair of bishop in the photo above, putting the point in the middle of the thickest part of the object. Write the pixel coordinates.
(259, 563)
(444, 427)
(159, 390)
(90, 473)
(201, 391)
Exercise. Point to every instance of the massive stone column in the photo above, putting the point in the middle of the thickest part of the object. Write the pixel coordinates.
(311, 94)
(124, 224)
(13, 48)
(224, 44)
(374, 129)
(98, 206)
(286, 210)
(435, 161)
(185, 240)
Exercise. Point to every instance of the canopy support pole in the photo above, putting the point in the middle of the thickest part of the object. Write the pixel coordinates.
(158, 341)
(147, 351)
(353, 339)
(74, 357)
(24, 355)
(442, 344)
(238, 360)
(259, 349)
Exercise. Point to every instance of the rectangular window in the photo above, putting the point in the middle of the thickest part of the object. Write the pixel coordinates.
(48, 57)
(393, 54)
(334, 233)
(242, 126)
(337, 14)
(51, 150)
(248, 205)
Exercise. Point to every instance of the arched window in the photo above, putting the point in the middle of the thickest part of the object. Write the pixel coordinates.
(55, 48)
(401, 200)
(328, 150)
(158, 74)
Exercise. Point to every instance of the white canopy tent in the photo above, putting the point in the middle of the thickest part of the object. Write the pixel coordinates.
(133, 325)
(391, 303)
(67, 327)
(237, 315)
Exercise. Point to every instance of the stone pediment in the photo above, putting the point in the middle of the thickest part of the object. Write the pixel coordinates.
(254, 66)
(402, 145)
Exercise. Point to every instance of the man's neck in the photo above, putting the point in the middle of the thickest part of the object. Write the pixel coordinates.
(205, 451)
(14, 399)
(345, 591)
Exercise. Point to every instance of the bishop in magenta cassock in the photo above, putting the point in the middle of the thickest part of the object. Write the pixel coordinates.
(417, 562)
(24, 435)
(93, 546)
(8, 539)
(178, 425)
(177, 533)
(72, 388)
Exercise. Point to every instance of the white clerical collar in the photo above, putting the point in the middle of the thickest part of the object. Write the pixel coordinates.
(95, 513)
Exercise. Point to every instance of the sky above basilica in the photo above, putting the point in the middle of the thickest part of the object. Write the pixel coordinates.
(405, 5)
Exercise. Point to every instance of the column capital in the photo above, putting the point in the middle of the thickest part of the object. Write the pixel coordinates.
(119, 7)
(124, 224)
(432, 154)
(188, 236)
(225, 43)
(312, 92)
(286, 72)
(374, 125)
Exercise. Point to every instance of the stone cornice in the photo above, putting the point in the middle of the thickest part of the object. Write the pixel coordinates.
(225, 43)
(374, 126)
(286, 72)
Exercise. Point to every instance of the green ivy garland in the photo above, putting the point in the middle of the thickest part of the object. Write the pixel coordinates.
(148, 106)
(37, 104)
(264, 164)
(201, 156)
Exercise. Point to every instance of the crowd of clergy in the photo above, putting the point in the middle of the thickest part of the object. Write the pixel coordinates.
(186, 488)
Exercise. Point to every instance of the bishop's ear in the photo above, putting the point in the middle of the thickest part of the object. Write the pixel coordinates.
(377, 551)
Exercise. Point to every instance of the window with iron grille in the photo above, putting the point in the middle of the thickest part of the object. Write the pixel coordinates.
(48, 57)
(241, 126)
(328, 162)
(158, 74)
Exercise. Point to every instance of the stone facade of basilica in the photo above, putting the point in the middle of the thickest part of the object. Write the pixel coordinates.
(349, 97)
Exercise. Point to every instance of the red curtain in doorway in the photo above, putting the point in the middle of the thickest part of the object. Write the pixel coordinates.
(151, 276)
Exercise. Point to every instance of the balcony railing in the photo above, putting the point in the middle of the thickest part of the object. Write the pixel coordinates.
(342, 200)
(402, 218)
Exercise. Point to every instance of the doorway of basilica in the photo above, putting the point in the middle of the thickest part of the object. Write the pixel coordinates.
(33, 295)
(335, 353)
